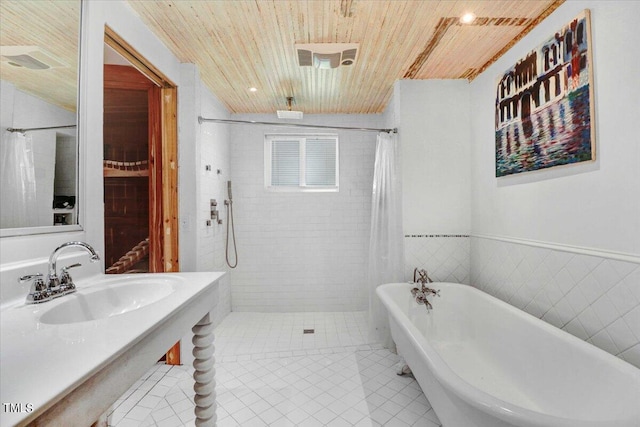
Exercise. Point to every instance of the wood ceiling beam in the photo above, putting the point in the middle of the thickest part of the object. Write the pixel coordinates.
(534, 22)
(441, 28)
(444, 24)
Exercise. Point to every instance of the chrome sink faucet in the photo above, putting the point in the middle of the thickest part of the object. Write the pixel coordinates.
(53, 281)
(54, 286)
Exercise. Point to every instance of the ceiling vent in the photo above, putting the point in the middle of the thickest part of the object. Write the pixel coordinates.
(31, 57)
(327, 55)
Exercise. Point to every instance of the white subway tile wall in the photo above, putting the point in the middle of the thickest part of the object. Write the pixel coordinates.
(213, 185)
(446, 257)
(302, 251)
(594, 298)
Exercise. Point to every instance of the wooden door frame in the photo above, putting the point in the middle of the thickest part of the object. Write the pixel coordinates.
(163, 165)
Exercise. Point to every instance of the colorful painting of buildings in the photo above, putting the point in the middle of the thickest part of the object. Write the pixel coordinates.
(544, 103)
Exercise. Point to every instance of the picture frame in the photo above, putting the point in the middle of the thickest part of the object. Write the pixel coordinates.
(544, 107)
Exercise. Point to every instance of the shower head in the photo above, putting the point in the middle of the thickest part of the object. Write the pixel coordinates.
(289, 114)
(284, 114)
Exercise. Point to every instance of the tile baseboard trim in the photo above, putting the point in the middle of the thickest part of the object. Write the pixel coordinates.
(619, 256)
(436, 235)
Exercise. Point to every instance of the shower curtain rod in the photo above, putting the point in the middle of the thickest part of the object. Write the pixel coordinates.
(44, 128)
(295, 125)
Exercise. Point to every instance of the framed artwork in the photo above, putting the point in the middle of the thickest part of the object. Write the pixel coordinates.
(544, 109)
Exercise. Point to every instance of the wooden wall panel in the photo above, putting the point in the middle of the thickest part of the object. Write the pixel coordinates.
(170, 177)
(125, 122)
(126, 215)
(156, 235)
(126, 199)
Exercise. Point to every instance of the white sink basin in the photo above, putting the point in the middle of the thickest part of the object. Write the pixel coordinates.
(110, 297)
(97, 342)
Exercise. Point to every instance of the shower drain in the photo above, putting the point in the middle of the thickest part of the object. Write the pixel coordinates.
(308, 331)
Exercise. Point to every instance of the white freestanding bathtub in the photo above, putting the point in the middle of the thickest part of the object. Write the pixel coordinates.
(483, 362)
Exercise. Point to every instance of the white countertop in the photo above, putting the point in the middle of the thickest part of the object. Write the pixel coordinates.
(42, 363)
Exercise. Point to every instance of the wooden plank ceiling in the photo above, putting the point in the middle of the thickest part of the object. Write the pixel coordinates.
(54, 26)
(251, 43)
(242, 44)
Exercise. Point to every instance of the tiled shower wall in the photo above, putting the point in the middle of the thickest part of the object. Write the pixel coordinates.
(213, 185)
(203, 176)
(444, 256)
(595, 298)
(302, 251)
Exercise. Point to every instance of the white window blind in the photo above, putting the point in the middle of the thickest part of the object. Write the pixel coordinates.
(301, 162)
(320, 158)
(285, 163)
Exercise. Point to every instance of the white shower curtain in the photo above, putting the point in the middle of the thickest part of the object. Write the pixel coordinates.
(18, 206)
(386, 245)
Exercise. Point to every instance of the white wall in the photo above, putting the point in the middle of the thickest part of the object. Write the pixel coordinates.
(201, 246)
(433, 120)
(214, 143)
(587, 205)
(302, 251)
(22, 110)
(205, 145)
(564, 244)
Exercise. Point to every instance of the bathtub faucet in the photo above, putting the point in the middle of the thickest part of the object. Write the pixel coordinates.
(423, 277)
(420, 294)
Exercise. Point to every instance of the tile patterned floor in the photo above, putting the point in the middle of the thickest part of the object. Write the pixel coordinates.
(336, 379)
(273, 333)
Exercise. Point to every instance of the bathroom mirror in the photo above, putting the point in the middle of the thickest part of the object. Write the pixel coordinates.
(39, 53)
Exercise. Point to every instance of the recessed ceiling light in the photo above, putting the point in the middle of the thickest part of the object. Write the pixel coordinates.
(253, 89)
(468, 18)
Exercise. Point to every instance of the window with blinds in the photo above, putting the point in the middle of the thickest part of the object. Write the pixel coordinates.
(301, 162)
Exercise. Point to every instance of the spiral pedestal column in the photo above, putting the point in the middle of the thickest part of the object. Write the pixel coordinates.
(204, 374)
